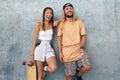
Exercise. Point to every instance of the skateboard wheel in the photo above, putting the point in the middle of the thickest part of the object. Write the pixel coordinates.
(30, 64)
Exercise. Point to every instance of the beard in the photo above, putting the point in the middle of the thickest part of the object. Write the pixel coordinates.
(68, 16)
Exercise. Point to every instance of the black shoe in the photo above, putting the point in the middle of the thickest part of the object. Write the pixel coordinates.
(79, 78)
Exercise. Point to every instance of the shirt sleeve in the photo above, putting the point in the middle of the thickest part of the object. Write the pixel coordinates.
(59, 33)
(82, 29)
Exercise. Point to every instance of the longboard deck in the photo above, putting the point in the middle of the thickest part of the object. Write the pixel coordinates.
(31, 72)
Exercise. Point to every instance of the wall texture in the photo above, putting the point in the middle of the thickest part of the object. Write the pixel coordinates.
(102, 21)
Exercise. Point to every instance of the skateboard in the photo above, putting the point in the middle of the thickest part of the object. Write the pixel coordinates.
(31, 71)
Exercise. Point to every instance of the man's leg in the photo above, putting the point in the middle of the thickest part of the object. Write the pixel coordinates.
(70, 70)
(86, 66)
(78, 77)
(83, 70)
(69, 77)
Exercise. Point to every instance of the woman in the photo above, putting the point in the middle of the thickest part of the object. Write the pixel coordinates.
(44, 52)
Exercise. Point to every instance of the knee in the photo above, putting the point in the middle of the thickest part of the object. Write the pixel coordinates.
(53, 68)
(87, 68)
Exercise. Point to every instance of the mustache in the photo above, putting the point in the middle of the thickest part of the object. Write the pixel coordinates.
(69, 11)
(68, 16)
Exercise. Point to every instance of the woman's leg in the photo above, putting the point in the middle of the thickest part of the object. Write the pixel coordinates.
(39, 65)
(52, 65)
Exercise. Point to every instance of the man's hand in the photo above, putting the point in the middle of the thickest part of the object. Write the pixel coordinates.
(61, 57)
(83, 52)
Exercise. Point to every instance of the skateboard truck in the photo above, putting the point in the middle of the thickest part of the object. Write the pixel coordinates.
(27, 63)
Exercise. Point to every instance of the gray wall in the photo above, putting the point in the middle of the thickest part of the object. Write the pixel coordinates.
(102, 21)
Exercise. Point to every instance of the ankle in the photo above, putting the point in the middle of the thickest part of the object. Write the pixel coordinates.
(78, 73)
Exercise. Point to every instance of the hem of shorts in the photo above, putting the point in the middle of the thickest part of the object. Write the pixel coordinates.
(50, 56)
(39, 60)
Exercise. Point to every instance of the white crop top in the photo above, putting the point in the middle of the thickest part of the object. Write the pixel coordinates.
(45, 35)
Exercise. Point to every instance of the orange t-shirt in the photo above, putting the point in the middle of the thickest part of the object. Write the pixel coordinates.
(71, 32)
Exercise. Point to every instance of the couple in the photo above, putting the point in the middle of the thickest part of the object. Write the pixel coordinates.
(71, 41)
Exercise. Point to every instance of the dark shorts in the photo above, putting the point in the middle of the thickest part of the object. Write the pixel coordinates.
(71, 67)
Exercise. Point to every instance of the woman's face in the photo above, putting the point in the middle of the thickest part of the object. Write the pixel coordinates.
(48, 15)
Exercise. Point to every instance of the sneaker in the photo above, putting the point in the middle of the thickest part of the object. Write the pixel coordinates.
(79, 78)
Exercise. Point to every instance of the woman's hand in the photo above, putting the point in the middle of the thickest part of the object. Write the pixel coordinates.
(31, 59)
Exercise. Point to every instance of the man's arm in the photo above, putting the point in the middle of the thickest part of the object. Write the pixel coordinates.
(56, 23)
(83, 41)
(60, 48)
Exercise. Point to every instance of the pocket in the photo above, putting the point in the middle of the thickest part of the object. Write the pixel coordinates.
(38, 42)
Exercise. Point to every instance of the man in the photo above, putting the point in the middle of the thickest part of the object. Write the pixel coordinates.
(71, 42)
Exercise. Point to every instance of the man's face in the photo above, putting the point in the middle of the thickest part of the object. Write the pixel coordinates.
(68, 11)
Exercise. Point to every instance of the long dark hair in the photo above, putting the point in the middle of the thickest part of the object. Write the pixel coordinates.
(52, 19)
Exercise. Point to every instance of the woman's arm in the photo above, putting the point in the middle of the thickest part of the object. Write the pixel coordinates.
(35, 37)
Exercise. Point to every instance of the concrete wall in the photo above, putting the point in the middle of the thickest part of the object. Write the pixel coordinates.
(102, 21)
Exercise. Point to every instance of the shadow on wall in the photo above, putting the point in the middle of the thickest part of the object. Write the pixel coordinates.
(13, 66)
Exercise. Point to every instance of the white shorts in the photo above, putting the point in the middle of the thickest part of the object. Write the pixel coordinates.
(43, 51)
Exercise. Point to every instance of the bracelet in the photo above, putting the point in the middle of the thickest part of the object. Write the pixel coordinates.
(82, 47)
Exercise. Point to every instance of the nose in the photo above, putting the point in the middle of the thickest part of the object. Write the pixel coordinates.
(48, 15)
